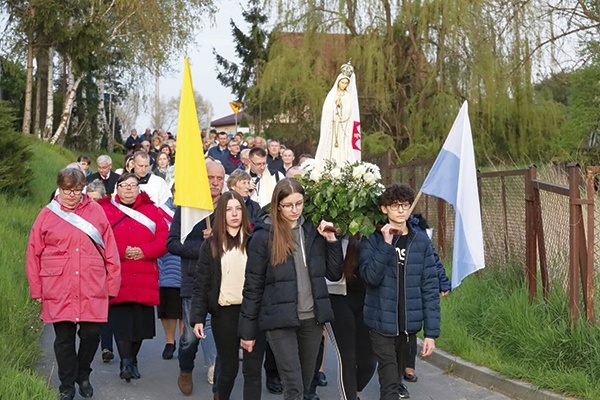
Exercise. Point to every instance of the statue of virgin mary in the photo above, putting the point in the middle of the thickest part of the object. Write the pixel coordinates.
(340, 121)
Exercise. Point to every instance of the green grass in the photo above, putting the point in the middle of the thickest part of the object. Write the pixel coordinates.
(489, 320)
(21, 328)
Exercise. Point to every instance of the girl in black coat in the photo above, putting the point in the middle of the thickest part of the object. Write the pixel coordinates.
(218, 290)
(285, 293)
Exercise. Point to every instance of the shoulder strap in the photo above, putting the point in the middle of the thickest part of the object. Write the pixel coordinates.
(77, 221)
(136, 215)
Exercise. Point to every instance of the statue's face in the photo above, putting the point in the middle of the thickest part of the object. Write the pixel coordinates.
(343, 83)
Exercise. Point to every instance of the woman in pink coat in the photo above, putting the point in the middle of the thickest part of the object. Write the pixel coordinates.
(141, 235)
(73, 268)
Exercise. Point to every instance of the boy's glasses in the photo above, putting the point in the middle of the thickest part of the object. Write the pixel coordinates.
(396, 206)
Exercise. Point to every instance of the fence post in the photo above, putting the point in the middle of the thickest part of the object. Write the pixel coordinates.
(530, 232)
(411, 174)
(441, 228)
(574, 221)
(388, 165)
(589, 276)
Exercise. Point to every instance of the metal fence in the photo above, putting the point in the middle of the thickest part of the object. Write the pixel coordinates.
(545, 224)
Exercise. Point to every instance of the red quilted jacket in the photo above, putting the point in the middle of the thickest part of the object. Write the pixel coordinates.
(139, 278)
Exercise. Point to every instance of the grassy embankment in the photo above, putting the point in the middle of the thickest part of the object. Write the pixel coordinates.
(20, 328)
(490, 321)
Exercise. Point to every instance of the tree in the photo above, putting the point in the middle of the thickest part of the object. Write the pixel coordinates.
(416, 62)
(92, 36)
(250, 48)
(14, 171)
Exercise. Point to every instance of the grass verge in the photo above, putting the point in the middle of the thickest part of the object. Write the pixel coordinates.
(21, 328)
(490, 321)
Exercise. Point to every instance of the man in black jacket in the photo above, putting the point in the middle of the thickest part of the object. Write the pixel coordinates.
(189, 251)
(109, 178)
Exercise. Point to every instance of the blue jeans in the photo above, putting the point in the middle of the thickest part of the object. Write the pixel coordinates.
(188, 342)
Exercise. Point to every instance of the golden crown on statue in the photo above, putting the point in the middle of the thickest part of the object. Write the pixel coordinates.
(347, 69)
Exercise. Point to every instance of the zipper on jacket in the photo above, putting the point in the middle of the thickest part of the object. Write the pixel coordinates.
(408, 243)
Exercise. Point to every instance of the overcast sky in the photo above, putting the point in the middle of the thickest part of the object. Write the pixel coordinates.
(202, 63)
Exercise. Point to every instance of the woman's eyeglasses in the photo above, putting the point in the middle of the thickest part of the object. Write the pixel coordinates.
(76, 192)
(125, 185)
(289, 207)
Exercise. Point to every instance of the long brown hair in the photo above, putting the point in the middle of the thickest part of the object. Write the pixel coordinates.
(351, 259)
(221, 239)
(282, 238)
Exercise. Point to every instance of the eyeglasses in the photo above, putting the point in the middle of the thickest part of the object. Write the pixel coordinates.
(395, 206)
(76, 192)
(262, 164)
(290, 207)
(125, 185)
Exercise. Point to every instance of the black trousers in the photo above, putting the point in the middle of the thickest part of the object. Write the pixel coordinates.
(353, 342)
(74, 365)
(224, 326)
(390, 352)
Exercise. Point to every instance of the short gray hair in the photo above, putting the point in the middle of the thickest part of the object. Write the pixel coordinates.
(96, 186)
(104, 158)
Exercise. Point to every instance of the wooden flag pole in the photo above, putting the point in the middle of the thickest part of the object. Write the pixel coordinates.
(413, 205)
(208, 222)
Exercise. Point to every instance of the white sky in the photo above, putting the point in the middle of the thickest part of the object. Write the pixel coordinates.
(202, 63)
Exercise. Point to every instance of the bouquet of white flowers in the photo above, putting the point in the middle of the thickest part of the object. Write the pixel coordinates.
(345, 195)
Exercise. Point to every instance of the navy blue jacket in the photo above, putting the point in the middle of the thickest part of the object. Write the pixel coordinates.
(418, 223)
(379, 271)
(271, 292)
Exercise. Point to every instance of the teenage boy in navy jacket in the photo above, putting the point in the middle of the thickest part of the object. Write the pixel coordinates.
(402, 290)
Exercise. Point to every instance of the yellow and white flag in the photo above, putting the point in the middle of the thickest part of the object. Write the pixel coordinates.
(192, 191)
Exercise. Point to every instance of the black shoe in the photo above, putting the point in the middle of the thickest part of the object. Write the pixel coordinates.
(85, 389)
(311, 396)
(107, 355)
(126, 369)
(274, 386)
(410, 377)
(168, 351)
(403, 391)
(135, 372)
(66, 396)
(321, 378)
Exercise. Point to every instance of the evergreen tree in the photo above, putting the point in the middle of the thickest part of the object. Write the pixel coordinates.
(14, 155)
(250, 48)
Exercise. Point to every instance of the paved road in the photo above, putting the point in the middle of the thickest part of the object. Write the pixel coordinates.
(159, 379)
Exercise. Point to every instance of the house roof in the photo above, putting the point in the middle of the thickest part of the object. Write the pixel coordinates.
(229, 119)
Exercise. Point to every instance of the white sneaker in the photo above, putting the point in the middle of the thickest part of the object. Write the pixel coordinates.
(210, 376)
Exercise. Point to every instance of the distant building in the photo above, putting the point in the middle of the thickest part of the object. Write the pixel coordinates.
(227, 123)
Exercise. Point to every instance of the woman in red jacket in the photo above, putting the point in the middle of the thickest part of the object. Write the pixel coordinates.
(73, 267)
(141, 235)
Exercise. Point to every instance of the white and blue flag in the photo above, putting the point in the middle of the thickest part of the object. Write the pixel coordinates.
(453, 178)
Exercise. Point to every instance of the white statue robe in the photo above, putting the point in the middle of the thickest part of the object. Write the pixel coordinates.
(340, 134)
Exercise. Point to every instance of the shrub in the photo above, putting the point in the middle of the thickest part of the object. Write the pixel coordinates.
(15, 173)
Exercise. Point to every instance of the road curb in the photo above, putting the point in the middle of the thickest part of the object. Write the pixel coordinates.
(488, 378)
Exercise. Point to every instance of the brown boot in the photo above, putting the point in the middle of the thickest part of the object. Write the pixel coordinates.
(185, 382)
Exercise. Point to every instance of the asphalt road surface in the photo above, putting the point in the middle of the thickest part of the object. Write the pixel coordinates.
(159, 378)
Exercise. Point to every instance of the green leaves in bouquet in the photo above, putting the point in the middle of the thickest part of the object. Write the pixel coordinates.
(346, 196)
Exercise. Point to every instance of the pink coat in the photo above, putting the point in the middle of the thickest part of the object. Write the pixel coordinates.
(139, 278)
(65, 269)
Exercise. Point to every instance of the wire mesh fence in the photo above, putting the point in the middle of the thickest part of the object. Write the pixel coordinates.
(504, 198)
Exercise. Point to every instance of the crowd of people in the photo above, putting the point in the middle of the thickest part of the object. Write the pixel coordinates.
(256, 280)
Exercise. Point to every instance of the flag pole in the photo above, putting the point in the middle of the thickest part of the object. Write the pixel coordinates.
(413, 205)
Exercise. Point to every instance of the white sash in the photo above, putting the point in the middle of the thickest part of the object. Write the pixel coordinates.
(77, 221)
(136, 215)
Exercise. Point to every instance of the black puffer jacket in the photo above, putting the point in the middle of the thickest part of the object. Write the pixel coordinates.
(271, 293)
(189, 250)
